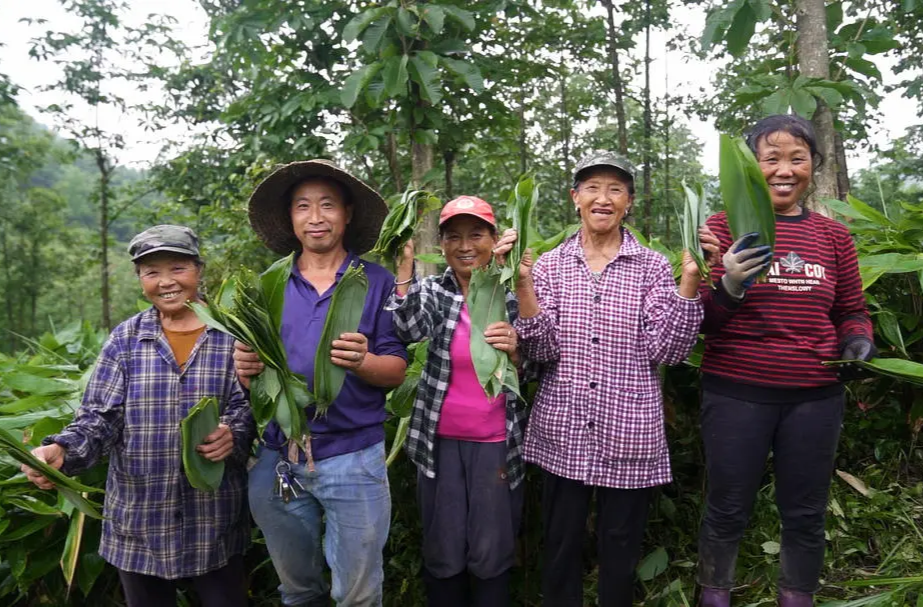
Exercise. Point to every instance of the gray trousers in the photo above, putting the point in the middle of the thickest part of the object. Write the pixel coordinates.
(470, 515)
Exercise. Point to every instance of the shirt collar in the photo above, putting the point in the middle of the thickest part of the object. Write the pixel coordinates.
(149, 326)
(630, 246)
(350, 257)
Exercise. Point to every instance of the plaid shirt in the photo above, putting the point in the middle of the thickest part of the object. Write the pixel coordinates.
(598, 414)
(156, 523)
(431, 309)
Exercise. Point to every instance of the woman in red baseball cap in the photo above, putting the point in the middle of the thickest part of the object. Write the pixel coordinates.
(465, 444)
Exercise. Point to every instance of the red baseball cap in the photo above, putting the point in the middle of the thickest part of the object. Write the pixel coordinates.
(468, 205)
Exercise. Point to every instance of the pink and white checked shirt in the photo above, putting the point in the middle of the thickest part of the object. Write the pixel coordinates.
(598, 414)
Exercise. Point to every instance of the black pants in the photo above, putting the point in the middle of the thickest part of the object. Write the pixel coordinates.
(225, 587)
(620, 518)
(738, 437)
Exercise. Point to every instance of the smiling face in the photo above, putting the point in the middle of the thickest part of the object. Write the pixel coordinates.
(788, 168)
(603, 197)
(169, 280)
(467, 243)
(319, 215)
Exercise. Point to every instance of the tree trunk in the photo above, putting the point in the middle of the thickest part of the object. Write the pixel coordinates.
(616, 79)
(428, 240)
(565, 145)
(646, 228)
(523, 152)
(842, 176)
(448, 157)
(814, 62)
(393, 164)
(105, 172)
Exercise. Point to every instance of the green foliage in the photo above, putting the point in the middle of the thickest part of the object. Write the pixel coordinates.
(202, 420)
(520, 207)
(745, 193)
(487, 305)
(404, 216)
(343, 316)
(249, 307)
(693, 218)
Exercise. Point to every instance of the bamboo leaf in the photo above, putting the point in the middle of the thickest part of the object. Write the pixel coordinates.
(273, 282)
(346, 306)
(522, 202)
(399, 438)
(486, 305)
(405, 214)
(202, 420)
(72, 544)
(694, 217)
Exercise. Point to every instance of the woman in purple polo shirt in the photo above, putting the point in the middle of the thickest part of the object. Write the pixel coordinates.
(466, 446)
(603, 315)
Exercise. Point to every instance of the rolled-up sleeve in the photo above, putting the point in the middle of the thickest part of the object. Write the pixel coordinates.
(413, 313)
(538, 335)
(670, 322)
(98, 422)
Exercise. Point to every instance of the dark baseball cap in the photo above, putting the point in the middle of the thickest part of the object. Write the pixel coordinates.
(175, 239)
(604, 158)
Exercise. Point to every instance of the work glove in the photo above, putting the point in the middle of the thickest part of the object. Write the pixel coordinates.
(742, 264)
(857, 347)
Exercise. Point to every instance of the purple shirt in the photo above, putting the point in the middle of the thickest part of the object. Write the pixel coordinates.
(354, 420)
(598, 414)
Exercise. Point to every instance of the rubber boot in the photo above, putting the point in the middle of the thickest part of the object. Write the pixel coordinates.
(446, 592)
(715, 597)
(492, 592)
(793, 598)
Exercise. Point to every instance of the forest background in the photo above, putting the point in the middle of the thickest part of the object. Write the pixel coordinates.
(140, 123)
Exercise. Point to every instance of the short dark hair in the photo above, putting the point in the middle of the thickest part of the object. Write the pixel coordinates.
(794, 125)
(582, 175)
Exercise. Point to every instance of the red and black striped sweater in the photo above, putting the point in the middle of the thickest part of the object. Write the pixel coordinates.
(769, 346)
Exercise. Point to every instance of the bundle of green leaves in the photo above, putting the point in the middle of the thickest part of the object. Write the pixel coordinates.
(249, 307)
(693, 218)
(745, 193)
(202, 420)
(521, 203)
(72, 490)
(405, 213)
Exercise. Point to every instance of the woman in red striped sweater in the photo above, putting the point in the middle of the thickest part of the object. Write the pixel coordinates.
(764, 388)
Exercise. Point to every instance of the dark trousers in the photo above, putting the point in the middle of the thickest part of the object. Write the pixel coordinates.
(738, 437)
(470, 521)
(621, 515)
(224, 587)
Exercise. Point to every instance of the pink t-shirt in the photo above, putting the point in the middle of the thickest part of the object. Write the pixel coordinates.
(467, 413)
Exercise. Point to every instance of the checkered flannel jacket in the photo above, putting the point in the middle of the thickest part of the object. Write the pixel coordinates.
(431, 309)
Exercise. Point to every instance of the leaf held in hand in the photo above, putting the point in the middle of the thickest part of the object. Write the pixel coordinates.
(202, 420)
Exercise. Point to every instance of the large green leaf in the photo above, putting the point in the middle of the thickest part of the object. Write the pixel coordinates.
(694, 217)
(395, 75)
(375, 34)
(202, 420)
(520, 207)
(343, 316)
(741, 30)
(356, 82)
(487, 305)
(426, 75)
(745, 194)
(434, 16)
(273, 282)
(361, 21)
(466, 71)
(71, 555)
(896, 368)
(465, 18)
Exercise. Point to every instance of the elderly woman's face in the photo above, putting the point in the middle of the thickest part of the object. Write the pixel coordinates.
(467, 243)
(169, 280)
(603, 199)
(787, 166)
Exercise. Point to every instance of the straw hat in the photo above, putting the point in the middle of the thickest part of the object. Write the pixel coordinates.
(269, 207)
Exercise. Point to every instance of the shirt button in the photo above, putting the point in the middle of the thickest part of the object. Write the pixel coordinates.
(597, 298)
(178, 514)
(590, 424)
(592, 384)
(595, 340)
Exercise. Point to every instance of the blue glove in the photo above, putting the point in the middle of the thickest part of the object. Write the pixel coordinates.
(742, 264)
(857, 347)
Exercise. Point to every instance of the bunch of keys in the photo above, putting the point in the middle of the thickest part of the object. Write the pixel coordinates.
(286, 485)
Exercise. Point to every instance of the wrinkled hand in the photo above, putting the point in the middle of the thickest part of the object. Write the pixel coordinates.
(857, 348)
(711, 246)
(246, 363)
(502, 336)
(350, 350)
(405, 260)
(743, 264)
(505, 245)
(217, 445)
(53, 455)
(690, 267)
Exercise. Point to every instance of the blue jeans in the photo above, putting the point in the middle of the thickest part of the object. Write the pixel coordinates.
(351, 493)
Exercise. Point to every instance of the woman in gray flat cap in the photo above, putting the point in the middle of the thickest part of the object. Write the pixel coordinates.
(154, 367)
